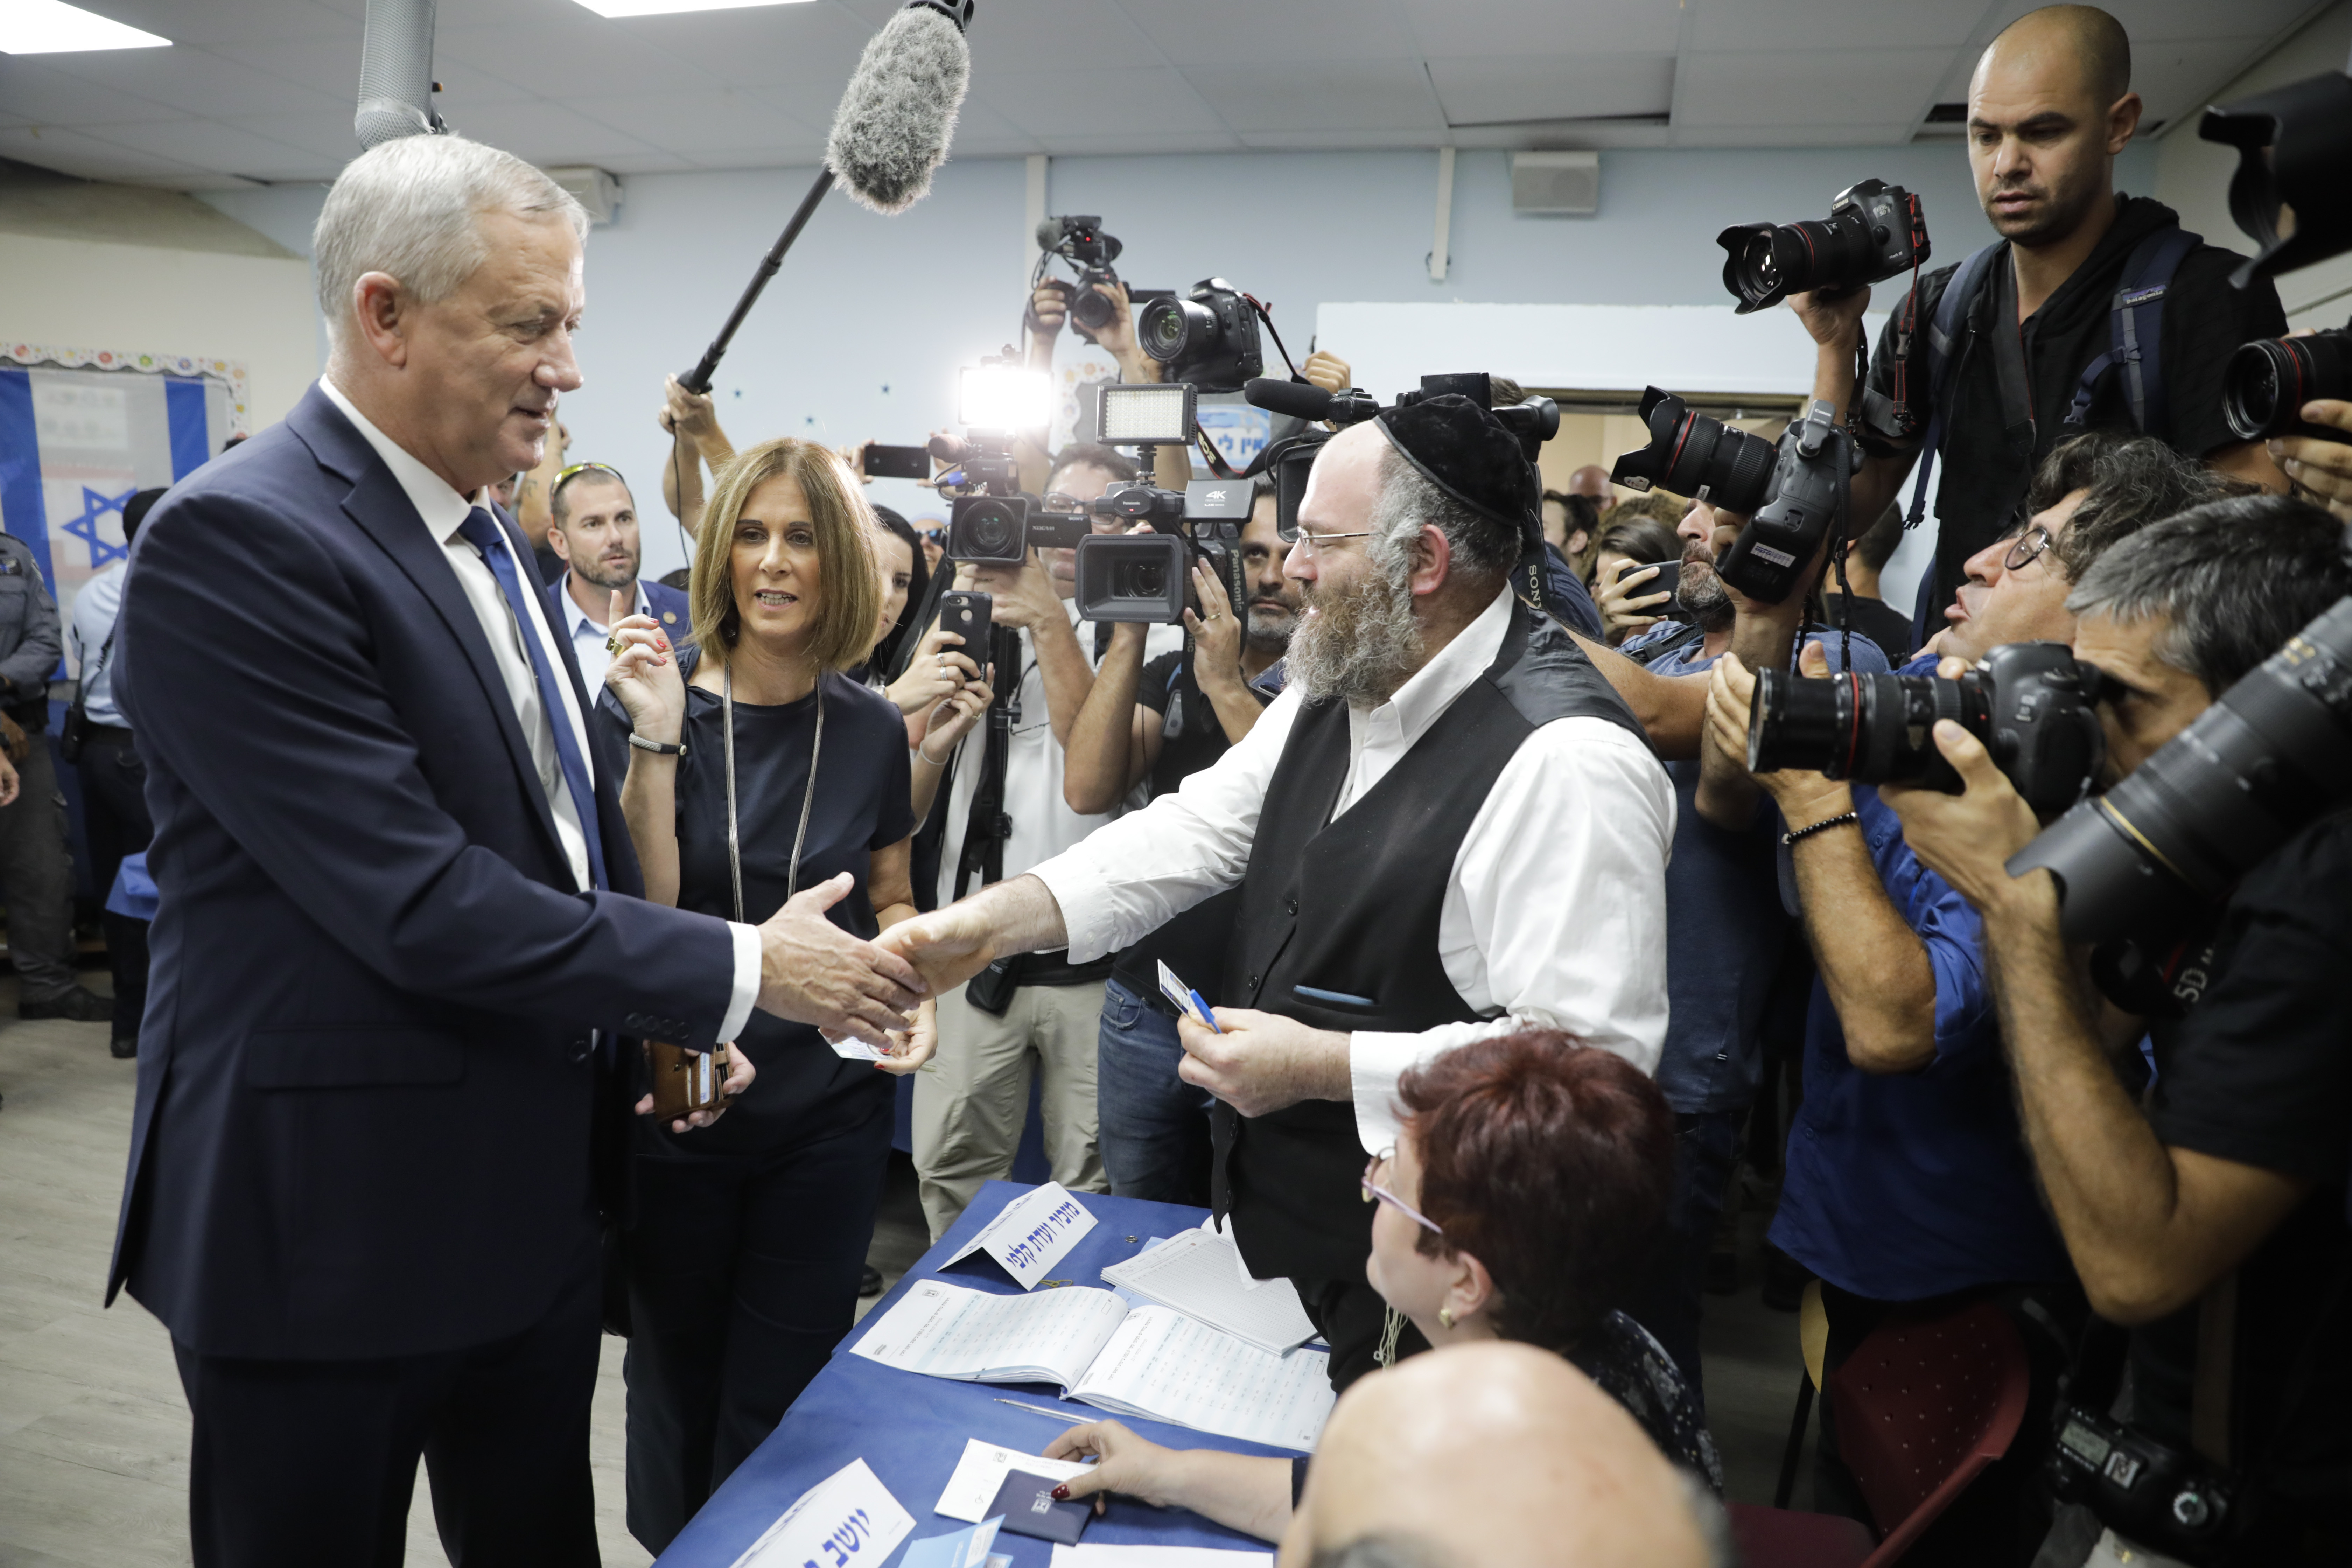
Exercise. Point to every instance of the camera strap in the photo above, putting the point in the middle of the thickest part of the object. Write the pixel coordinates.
(1947, 332)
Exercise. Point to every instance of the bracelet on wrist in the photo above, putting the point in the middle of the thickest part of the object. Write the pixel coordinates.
(658, 748)
(1842, 819)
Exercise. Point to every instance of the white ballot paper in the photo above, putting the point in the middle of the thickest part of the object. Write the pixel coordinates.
(1036, 1231)
(1096, 1554)
(1200, 1274)
(849, 1520)
(1150, 1362)
(980, 1476)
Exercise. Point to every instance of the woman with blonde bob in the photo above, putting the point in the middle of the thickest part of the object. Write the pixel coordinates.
(758, 772)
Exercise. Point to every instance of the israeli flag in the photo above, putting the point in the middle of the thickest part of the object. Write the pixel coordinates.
(76, 443)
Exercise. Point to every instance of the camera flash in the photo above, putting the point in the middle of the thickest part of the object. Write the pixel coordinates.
(1158, 414)
(1003, 398)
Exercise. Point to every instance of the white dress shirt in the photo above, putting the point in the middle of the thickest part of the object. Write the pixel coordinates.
(589, 636)
(1555, 912)
(94, 610)
(442, 510)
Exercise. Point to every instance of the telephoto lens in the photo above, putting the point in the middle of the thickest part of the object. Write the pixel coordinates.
(1691, 455)
(2030, 703)
(2269, 380)
(2177, 832)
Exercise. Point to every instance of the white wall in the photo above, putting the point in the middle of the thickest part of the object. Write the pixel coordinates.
(74, 293)
(861, 334)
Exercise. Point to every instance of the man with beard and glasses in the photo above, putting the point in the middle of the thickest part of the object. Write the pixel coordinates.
(592, 529)
(1157, 724)
(1727, 937)
(1447, 826)
(2050, 108)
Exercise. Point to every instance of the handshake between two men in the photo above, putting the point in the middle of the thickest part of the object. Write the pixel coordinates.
(814, 973)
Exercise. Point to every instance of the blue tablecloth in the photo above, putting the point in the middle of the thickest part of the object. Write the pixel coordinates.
(911, 1428)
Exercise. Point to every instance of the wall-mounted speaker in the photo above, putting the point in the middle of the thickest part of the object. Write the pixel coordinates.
(1556, 184)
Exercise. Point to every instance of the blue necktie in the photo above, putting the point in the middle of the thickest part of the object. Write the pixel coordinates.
(484, 535)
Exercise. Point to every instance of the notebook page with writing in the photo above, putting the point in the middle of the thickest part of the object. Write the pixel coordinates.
(946, 1331)
(1194, 1273)
(1164, 1366)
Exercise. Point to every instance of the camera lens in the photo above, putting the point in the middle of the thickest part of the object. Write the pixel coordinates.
(1089, 309)
(2269, 380)
(1140, 580)
(1689, 453)
(1764, 263)
(1169, 327)
(1872, 729)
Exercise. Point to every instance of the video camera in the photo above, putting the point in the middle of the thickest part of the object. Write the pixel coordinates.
(1874, 230)
(1534, 421)
(1080, 241)
(1129, 576)
(1795, 493)
(990, 520)
(1207, 337)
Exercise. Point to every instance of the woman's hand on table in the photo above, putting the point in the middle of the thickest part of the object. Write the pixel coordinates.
(1124, 1463)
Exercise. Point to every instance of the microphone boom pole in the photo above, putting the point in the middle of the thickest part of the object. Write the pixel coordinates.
(698, 380)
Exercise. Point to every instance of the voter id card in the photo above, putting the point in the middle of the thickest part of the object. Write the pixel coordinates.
(1186, 1000)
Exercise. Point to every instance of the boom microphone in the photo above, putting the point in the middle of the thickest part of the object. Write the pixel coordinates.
(396, 73)
(1296, 398)
(890, 131)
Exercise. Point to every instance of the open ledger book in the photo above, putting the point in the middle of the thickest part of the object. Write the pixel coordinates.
(1149, 1362)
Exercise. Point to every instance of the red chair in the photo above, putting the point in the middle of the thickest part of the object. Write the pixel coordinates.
(1922, 1408)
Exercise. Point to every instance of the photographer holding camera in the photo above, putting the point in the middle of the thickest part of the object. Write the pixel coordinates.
(1904, 1082)
(1159, 723)
(2211, 1222)
(2033, 348)
(1037, 1013)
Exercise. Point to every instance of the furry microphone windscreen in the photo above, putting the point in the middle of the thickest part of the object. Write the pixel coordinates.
(898, 111)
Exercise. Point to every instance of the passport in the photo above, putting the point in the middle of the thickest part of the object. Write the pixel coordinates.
(1027, 1504)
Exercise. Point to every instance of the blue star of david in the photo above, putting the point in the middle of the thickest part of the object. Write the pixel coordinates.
(95, 506)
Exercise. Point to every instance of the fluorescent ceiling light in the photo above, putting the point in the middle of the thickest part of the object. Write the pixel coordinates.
(671, 7)
(54, 28)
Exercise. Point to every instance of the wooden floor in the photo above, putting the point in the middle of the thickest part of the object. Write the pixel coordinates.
(94, 1431)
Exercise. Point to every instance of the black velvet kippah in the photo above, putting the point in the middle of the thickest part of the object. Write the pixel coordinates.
(1465, 451)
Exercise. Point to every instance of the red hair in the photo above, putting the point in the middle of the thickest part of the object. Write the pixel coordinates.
(1551, 1162)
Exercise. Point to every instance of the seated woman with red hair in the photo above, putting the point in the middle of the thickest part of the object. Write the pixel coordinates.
(1520, 1203)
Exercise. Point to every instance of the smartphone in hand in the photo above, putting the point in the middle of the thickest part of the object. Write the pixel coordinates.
(967, 613)
(1668, 579)
(881, 462)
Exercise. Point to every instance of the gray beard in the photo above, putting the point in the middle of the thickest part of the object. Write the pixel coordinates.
(1705, 600)
(1271, 637)
(1359, 648)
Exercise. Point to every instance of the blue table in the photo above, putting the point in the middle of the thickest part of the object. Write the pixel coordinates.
(911, 1428)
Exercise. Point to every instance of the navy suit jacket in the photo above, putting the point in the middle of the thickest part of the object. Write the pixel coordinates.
(668, 607)
(369, 1115)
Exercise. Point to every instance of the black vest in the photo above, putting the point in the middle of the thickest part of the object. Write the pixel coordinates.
(1351, 906)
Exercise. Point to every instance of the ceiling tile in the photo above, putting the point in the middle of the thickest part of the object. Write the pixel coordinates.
(549, 133)
(211, 145)
(1806, 86)
(71, 152)
(1485, 92)
(325, 134)
(588, 56)
(690, 122)
(1071, 36)
(1215, 32)
(212, 21)
(42, 93)
(813, 46)
(196, 82)
(1117, 102)
(1843, 133)
(333, 64)
(1452, 28)
(1782, 25)
(1347, 96)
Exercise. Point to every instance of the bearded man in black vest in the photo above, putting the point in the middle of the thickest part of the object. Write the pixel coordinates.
(1447, 826)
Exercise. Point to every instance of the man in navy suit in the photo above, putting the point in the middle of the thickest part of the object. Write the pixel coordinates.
(398, 968)
(592, 529)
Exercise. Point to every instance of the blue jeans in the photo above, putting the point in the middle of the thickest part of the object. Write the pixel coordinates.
(1153, 1126)
(1705, 1144)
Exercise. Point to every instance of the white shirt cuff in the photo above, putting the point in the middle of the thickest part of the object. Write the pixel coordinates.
(747, 979)
(1376, 1060)
(1085, 900)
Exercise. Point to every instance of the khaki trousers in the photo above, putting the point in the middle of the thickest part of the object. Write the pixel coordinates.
(971, 1100)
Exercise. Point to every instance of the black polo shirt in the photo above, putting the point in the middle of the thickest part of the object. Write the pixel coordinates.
(1985, 465)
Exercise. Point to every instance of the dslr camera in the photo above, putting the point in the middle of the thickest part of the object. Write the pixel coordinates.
(1795, 492)
(1080, 241)
(1874, 230)
(1207, 337)
(2268, 381)
(2031, 703)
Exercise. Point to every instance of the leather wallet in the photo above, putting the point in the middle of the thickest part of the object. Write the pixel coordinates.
(1028, 1503)
(685, 1081)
